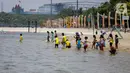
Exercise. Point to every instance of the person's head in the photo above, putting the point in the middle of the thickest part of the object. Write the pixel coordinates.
(56, 36)
(94, 36)
(63, 34)
(101, 36)
(86, 38)
(55, 31)
(52, 32)
(67, 40)
(111, 35)
(116, 35)
(47, 31)
(77, 33)
(20, 34)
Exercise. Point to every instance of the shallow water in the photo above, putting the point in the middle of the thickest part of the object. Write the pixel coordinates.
(34, 55)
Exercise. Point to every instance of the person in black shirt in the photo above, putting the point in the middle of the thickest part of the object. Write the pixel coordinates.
(48, 36)
(116, 41)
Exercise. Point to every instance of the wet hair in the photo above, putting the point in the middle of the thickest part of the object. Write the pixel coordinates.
(47, 31)
(55, 31)
(63, 34)
(116, 35)
(86, 38)
(20, 34)
(111, 35)
(101, 36)
(55, 36)
(51, 31)
(67, 40)
(94, 36)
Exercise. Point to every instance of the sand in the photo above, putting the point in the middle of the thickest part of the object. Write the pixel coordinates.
(124, 45)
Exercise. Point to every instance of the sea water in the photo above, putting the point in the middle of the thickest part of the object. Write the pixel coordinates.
(35, 55)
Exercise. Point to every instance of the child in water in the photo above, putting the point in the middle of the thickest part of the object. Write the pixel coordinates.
(63, 40)
(48, 36)
(79, 43)
(68, 44)
(116, 41)
(102, 41)
(111, 40)
(21, 38)
(112, 51)
(77, 36)
(94, 42)
(55, 33)
(52, 36)
(85, 44)
(56, 42)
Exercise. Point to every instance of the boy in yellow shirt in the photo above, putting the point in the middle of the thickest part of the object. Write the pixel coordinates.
(68, 44)
(21, 38)
(56, 42)
(63, 40)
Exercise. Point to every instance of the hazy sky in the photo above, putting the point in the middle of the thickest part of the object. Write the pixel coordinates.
(33, 4)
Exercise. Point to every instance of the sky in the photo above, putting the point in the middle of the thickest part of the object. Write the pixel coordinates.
(33, 4)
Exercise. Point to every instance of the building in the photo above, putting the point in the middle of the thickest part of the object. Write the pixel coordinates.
(17, 10)
(46, 8)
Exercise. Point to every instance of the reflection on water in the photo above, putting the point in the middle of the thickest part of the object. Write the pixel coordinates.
(36, 56)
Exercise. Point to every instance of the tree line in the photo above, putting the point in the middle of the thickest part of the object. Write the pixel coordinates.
(21, 20)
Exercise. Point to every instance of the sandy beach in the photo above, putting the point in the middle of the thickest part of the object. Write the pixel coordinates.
(123, 45)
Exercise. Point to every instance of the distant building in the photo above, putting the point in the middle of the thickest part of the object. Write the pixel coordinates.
(17, 10)
(33, 10)
(46, 8)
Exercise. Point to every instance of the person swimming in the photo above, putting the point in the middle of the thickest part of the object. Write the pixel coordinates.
(21, 38)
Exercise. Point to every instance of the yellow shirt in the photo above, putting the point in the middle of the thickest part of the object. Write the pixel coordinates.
(64, 38)
(111, 40)
(67, 43)
(21, 38)
(56, 40)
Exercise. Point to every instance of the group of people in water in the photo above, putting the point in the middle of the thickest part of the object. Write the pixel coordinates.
(54, 38)
(96, 44)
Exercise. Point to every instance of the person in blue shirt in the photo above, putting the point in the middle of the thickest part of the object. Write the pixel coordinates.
(79, 43)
